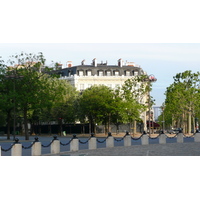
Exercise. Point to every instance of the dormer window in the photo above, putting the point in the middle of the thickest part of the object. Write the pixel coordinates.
(135, 73)
(100, 73)
(80, 73)
(108, 73)
(128, 73)
(116, 73)
(89, 73)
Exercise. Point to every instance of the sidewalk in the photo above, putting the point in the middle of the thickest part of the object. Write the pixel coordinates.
(170, 149)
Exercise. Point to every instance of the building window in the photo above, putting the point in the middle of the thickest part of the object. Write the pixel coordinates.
(135, 73)
(89, 73)
(117, 86)
(116, 73)
(100, 73)
(81, 87)
(80, 73)
(109, 85)
(128, 73)
(108, 73)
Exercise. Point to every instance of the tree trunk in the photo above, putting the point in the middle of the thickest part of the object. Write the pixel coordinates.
(189, 122)
(26, 124)
(90, 127)
(134, 127)
(8, 124)
(60, 126)
(194, 129)
(49, 127)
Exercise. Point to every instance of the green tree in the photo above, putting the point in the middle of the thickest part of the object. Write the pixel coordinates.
(35, 88)
(136, 99)
(64, 111)
(7, 96)
(182, 100)
(95, 105)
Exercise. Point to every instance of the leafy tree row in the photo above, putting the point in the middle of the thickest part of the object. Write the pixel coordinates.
(30, 93)
(181, 107)
(27, 89)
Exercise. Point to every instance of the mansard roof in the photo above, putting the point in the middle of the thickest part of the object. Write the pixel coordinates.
(74, 70)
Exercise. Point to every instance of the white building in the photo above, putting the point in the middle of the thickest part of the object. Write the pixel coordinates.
(84, 76)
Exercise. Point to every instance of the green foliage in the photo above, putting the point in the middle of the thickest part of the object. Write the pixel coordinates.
(102, 105)
(28, 86)
(95, 103)
(183, 100)
(39, 95)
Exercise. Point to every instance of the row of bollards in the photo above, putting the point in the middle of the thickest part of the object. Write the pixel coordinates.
(36, 149)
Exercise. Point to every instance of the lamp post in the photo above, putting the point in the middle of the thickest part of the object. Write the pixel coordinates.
(151, 78)
(163, 120)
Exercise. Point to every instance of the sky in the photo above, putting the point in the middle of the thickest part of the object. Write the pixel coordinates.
(162, 39)
(163, 60)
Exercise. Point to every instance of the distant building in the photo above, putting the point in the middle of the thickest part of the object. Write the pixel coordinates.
(25, 65)
(84, 76)
(157, 112)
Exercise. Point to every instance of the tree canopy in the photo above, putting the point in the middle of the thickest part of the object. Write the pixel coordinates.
(27, 87)
(183, 101)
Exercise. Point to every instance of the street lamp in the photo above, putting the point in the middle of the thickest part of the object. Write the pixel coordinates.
(163, 120)
(151, 78)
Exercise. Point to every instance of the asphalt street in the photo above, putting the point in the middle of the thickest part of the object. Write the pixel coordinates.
(169, 149)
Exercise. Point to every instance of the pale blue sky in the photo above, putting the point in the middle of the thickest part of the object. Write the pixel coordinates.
(163, 60)
(162, 37)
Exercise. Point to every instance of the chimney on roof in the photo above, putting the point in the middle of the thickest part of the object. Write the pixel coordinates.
(120, 62)
(94, 62)
(132, 64)
(83, 62)
(69, 64)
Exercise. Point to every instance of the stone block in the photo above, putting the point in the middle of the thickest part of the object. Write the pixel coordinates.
(127, 141)
(145, 140)
(55, 147)
(74, 145)
(110, 142)
(36, 149)
(92, 144)
(16, 150)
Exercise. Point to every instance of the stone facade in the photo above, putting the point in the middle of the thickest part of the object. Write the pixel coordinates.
(84, 76)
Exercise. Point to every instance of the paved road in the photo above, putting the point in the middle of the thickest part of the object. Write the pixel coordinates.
(170, 149)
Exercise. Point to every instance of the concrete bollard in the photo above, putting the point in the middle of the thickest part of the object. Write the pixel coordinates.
(55, 147)
(16, 150)
(145, 139)
(36, 149)
(74, 145)
(180, 138)
(197, 137)
(92, 144)
(127, 141)
(162, 139)
(110, 142)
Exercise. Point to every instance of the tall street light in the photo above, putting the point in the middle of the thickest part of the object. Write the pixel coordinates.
(151, 78)
(163, 120)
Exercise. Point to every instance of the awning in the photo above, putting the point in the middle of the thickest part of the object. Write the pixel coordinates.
(153, 124)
